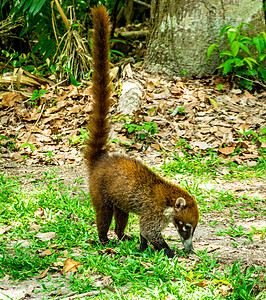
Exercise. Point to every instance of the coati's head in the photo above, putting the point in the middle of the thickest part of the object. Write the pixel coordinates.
(185, 219)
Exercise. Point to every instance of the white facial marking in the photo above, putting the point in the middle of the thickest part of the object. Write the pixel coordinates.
(180, 222)
(188, 242)
(169, 213)
(184, 228)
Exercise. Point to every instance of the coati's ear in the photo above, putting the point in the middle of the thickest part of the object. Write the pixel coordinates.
(180, 204)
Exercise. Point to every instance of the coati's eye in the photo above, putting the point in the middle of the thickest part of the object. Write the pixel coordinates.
(187, 227)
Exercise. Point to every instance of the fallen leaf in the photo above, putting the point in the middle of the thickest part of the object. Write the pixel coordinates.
(39, 212)
(43, 274)
(227, 150)
(150, 86)
(213, 103)
(176, 91)
(3, 287)
(107, 280)
(46, 252)
(45, 236)
(4, 229)
(181, 259)
(202, 283)
(17, 157)
(70, 265)
(258, 236)
(107, 250)
(10, 99)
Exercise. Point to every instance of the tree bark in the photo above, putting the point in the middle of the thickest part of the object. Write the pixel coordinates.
(182, 31)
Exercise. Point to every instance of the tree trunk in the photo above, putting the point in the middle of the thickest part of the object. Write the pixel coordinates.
(182, 31)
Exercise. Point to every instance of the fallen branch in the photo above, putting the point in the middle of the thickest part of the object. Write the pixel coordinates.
(43, 106)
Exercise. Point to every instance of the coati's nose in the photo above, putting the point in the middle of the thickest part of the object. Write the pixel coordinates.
(188, 245)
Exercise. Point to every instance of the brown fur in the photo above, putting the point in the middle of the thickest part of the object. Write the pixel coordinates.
(120, 185)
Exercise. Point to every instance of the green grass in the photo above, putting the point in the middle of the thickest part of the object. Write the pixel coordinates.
(135, 275)
(211, 165)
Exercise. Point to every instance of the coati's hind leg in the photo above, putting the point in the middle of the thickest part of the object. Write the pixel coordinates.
(149, 231)
(121, 219)
(104, 214)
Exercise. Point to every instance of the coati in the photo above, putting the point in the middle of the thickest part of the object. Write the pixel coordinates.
(119, 184)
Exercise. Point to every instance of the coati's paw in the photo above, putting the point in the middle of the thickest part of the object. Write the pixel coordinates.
(143, 247)
(104, 242)
(169, 253)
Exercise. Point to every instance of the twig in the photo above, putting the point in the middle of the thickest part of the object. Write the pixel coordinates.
(43, 106)
(53, 86)
(142, 3)
(62, 14)
(53, 22)
(255, 81)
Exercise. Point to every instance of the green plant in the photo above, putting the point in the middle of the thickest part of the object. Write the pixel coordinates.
(69, 71)
(243, 281)
(246, 64)
(234, 232)
(32, 147)
(50, 155)
(143, 131)
(36, 94)
(7, 142)
(80, 139)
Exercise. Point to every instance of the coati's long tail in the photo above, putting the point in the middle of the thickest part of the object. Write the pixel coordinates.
(99, 128)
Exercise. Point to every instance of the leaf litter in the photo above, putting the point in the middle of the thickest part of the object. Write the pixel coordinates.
(49, 133)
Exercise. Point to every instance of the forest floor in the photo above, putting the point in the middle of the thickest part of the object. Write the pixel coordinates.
(212, 140)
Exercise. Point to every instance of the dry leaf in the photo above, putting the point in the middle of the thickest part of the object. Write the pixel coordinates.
(150, 86)
(3, 287)
(10, 99)
(4, 229)
(176, 91)
(227, 150)
(258, 236)
(202, 283)
(107, 280)
(181, 259)
(43, 274)
(17, 157)
(39, 212)
(107, 250)
(70, 265)
(46, 252)
(45, 236)
(263, 145)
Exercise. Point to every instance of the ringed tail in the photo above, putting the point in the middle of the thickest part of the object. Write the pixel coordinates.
(99, 127)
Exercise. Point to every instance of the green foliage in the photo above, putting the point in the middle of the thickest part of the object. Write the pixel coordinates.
(7, 142)
(143, 131)
(32, 147)
(245, 57)
(36, 95)
(50, 155)
(80, 139)
(71, 76)
(70, 216)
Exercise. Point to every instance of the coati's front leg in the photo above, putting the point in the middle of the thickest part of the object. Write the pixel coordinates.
(143, 243)
(149, 230)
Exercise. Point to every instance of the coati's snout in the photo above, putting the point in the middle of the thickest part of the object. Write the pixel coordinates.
(186, 220)
(186, 234)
